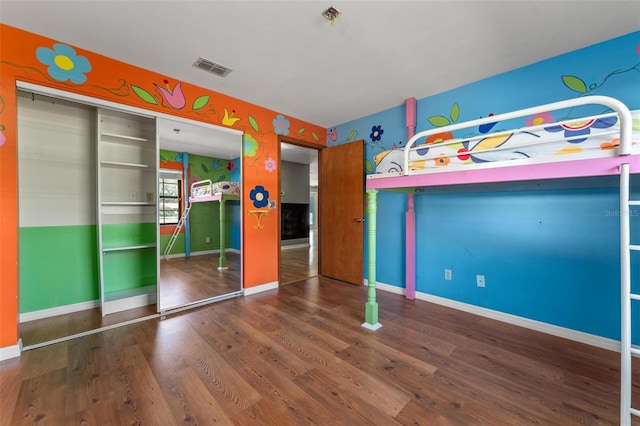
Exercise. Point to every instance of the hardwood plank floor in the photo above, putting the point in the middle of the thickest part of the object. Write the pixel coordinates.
(298, 355)
(60, 326)
(301, 262)
(182, 281)
(188, 280)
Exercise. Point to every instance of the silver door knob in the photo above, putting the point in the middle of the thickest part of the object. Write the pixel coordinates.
(359, 219)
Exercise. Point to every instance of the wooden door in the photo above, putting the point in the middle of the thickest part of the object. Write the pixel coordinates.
(341, 212)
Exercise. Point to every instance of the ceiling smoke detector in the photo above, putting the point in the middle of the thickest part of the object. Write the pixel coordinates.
(212, 67)
(331, 14)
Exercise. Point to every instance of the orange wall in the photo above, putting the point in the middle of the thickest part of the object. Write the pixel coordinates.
(27, 57)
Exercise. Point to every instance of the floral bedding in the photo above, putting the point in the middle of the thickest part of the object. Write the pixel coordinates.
(584, 138)
(225, 187)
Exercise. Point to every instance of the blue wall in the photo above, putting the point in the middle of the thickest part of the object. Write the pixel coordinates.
(548, 255)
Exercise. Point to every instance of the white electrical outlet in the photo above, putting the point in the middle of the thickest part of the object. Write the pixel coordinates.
(447, 274)
(207, 240)
(133, 196)
(480, 280)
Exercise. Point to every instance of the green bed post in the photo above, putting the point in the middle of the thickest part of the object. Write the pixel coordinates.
(223, 226)
(371, 307)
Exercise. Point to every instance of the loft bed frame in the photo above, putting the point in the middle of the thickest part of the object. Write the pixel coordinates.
(504, 156)
(202, 192)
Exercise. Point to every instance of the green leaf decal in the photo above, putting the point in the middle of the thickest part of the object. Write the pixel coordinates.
(315, 136)
(163, 158)
(352, 134)
(574, 83)
(200, 102)
(222, 178)
(439, 120)
(144, 95)
(204, 168)
(254, 123)
(301, 131)
(368, 166)
(455, 112)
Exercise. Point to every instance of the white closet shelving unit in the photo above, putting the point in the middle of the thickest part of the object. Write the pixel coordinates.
(127, 183)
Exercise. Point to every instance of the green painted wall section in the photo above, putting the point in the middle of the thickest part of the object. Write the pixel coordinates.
(128, 234)
(205, 222)
(178, 246)
(58, 266)
(129, 269)
(125, 270)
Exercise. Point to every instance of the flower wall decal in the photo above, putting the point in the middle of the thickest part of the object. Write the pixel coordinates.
(229, 119)
(259, 196)
(174, 97)
(376, 133)
(63, 63)
(270, 164)
(281, 125)
(249, 145)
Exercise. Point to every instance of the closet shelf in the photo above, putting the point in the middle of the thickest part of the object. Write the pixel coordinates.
(129, 247)
(123, 164)
(127, 203)
(124, 137)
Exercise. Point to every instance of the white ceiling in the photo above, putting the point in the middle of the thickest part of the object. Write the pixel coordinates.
(288, 58)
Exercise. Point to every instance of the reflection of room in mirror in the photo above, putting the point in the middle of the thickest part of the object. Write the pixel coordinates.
(188, 280)
(200, 252)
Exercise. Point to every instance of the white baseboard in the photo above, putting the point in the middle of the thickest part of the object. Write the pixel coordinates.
(200, 253)
(260, 288)
(59, 310)
(11, 351)
(554, 330)
(129, 299)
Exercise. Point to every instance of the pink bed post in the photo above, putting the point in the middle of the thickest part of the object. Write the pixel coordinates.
(410, 217)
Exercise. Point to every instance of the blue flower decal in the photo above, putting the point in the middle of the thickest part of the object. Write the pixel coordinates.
(259, 196)
(582, 127)
(63, 63)
(281, 125)
(376, 133)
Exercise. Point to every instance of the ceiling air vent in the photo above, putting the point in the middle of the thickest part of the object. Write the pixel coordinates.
(212, 67)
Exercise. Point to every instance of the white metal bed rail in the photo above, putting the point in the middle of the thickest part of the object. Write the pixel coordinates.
(627, 350)
(622, 111)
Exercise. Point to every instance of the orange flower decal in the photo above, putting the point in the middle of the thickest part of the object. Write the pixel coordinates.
(439, 137)
(442, 160)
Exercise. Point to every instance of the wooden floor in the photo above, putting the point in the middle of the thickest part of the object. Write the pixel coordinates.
(37, 332)
(298, 355)
(188, 280)
(299, 263)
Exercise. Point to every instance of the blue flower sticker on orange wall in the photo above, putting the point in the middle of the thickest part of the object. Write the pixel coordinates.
(259, 196)
(281, 125)
(63, 63)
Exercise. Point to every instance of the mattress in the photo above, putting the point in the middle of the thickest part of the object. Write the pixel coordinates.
(577, 139)
(207, 189)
